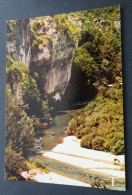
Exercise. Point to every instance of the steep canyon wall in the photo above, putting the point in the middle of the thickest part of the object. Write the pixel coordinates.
(47, 46)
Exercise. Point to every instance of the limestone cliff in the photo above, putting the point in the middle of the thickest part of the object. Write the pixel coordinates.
(46, 45)
(53, 48)
(18, 41)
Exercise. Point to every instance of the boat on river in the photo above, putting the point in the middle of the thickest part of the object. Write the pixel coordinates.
(45, 123)
(37, 144)
(52, 133)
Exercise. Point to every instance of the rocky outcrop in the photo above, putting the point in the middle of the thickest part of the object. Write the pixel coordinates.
(47, 46)
(55, 70)
(53, 61)
(18, 41)
(18, 48)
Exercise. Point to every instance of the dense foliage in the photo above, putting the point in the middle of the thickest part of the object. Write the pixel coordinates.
(19, 127)
(100, 123)
(99, 51)
(15, 164)
(22, 104)
(19, 73)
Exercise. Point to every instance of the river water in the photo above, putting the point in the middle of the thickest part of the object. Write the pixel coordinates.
(49, 142)
(59, 121)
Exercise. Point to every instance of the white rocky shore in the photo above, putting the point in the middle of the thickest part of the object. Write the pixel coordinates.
(71, 153)
(102, 162)
(52, 178)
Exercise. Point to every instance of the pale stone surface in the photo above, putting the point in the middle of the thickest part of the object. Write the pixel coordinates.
(70, 152)
(52, 178)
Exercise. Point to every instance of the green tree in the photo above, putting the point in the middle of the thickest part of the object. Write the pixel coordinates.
(99, 51)
(100, 123)
(15, 164)
(19, 127)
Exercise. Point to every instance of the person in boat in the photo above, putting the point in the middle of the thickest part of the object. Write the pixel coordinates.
(40, 139)
(37, 144)
(65, 128)
(38, 147)
(53, 133)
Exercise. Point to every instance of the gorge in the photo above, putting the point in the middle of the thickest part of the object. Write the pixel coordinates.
(48, 50)
(64, 76)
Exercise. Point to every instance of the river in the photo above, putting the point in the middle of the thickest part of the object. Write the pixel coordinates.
(49, 142)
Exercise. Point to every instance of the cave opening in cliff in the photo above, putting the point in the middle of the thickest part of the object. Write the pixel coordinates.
(78, 93)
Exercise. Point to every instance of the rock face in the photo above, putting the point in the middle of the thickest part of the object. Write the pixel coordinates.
(56, 71)
(54, 61)
(19, 48)
(47, 47)
(18, 41)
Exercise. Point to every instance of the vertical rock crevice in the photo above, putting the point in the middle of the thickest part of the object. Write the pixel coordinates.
(18, 41)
